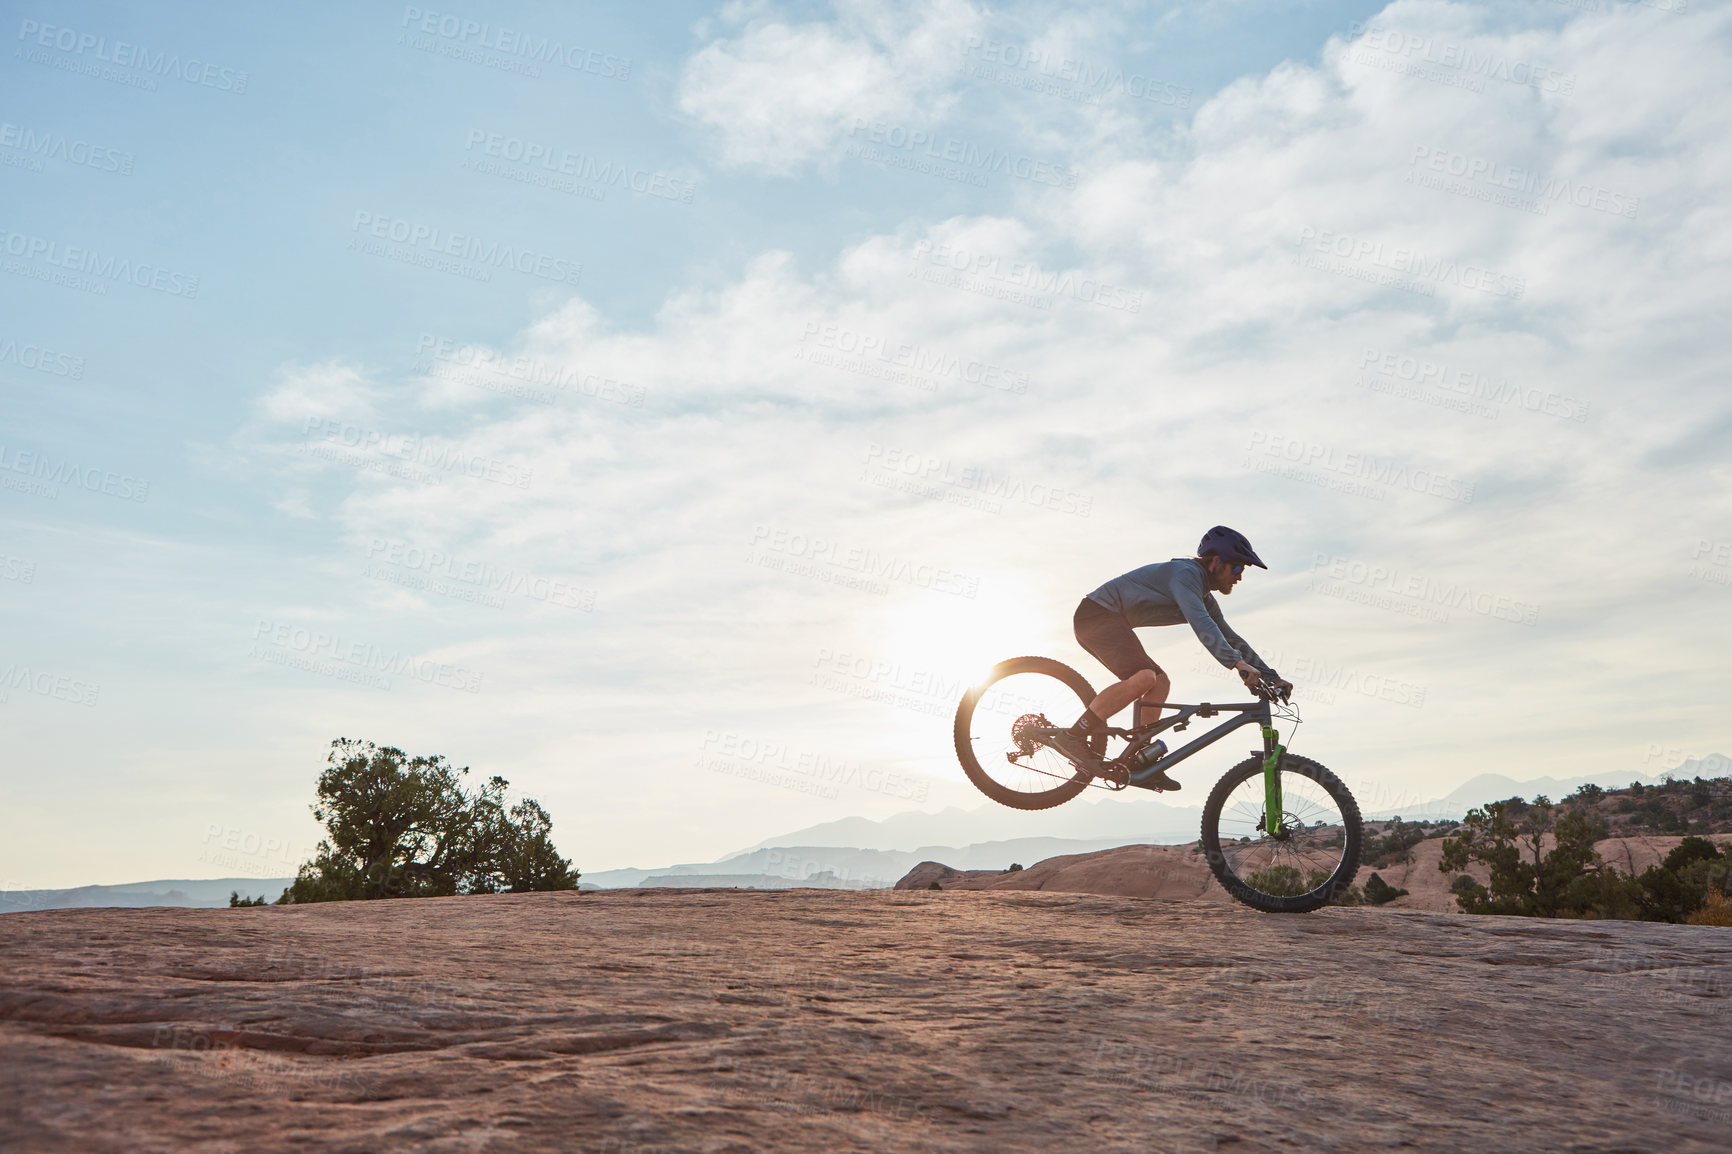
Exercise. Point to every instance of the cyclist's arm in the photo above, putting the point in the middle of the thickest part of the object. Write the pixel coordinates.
(1206, 622)
(1250, 654)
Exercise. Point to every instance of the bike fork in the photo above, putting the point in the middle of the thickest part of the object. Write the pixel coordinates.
(1272, 751)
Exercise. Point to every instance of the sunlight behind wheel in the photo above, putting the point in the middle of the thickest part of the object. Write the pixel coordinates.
(1309, 844)
(994, 737)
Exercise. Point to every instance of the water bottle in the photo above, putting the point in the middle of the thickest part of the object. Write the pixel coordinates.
(1148, 755)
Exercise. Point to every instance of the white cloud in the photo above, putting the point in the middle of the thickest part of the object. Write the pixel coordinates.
(774, 400)
(780, 93)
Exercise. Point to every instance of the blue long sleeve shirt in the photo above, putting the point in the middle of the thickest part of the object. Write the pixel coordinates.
(1169, 592)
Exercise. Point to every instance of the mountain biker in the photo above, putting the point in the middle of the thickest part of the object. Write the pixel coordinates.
(1165, 593)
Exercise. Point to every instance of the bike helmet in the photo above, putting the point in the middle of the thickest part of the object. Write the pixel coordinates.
(1230, 545)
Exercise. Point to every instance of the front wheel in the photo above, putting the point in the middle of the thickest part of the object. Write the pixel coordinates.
(1297, 862)
(993, 740)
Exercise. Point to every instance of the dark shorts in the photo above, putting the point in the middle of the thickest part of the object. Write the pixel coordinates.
(1110, 638)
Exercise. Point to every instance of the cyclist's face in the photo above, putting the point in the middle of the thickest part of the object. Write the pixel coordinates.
(1226, 575)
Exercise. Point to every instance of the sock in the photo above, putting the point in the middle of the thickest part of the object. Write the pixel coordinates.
(1087, 722)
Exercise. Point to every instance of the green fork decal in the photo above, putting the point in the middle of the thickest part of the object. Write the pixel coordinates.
(1272, 782)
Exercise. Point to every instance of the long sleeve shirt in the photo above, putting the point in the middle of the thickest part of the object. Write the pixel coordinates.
(1169, 592)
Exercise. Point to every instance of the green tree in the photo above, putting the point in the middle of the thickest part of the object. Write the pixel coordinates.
(1378, 891)
(1683, 883)
(1568, 881)
(399, 826)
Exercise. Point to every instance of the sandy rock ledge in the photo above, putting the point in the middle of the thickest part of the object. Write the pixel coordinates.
(639, 1022)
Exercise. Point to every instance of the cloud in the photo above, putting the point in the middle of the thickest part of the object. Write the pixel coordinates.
(781, 93)
(1272, 316)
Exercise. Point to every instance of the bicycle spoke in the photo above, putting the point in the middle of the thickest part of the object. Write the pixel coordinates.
(1302, 851)
(992, 732)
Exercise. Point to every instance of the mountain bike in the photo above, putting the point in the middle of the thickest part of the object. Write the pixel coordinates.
(1280, 832)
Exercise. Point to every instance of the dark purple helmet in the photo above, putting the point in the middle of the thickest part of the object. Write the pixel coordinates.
(1229, 545)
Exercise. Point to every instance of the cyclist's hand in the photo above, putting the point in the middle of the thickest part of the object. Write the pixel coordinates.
(1249, 674)
(1283, 688)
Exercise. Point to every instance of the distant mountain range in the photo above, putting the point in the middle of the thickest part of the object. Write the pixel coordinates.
(865, 853)
(200, 893)
(862, 853)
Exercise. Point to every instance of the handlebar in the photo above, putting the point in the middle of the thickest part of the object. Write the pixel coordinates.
(1271, 691)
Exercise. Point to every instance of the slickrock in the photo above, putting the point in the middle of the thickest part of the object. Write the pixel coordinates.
(642, 1022)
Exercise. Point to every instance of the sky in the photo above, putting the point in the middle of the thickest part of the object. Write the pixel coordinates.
(670, 408)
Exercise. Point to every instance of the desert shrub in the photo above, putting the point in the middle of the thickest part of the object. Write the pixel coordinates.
(1282, 881)
(933, 886)
(1569, 881)
(236, 901)
(1014, 866)
(1395, 845)
(1347, 895)
(1378, 891)
(405, 827)
(1588, 792)
(1684, 884)
(1716, 911)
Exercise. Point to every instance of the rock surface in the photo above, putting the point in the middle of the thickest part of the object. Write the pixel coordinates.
(641, 1022)
(1132, 871)
(1175, 871)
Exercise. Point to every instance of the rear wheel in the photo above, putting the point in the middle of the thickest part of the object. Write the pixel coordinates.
(1310, 854)
(992, 740)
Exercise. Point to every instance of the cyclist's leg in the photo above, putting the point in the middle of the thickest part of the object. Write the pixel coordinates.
(1139, 685)
(1149, 704)
(1111, 640)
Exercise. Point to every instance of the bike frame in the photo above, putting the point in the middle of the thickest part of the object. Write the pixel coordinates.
(1250, 713)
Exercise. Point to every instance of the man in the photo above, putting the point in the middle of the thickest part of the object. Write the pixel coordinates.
(1167, 593)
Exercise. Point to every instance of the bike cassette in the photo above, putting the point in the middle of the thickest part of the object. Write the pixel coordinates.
(1022, 734)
